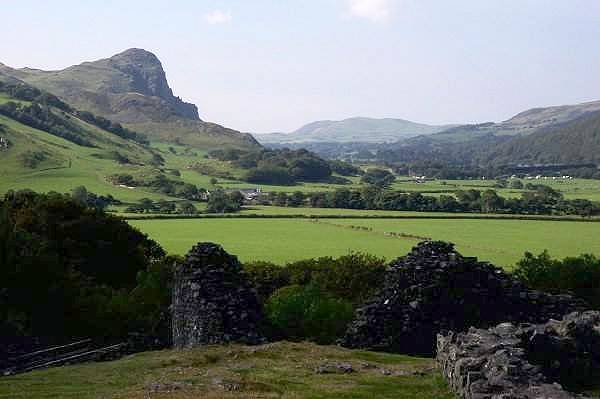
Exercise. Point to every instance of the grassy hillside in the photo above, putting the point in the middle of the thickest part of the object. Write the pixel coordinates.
(281, 370)
(42, 161)
(131, 88)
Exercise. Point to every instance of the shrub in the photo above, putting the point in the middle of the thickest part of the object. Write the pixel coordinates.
(305, 312)
(352, 277)
(31, 159)
(378, 177)
(266, 277)
(577, 275)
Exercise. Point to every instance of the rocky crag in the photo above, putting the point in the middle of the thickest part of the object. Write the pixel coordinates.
(523, 362)
(435, 289)
(213, 302)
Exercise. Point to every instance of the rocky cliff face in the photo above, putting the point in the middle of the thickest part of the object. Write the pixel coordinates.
(147, 76)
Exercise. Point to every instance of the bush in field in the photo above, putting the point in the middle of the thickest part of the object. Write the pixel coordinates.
(305, 312)
(222, 202)
(577, 275)
(378, 177)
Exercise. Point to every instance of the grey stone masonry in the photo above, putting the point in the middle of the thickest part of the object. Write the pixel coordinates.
(523, 362)
(213, 302)
(434, 289)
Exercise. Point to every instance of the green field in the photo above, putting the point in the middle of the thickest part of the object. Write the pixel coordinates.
(321, 212)
(571, 189)
(502, 242)
(55, 174)
(280, 370)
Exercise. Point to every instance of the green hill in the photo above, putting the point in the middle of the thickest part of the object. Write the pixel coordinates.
(523, 124)
(577, 141)
(554, 135)
(367, 130)
(49, 146)
(131, 88)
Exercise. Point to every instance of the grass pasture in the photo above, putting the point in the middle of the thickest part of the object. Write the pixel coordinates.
(280, 240)
(571, 189)
(281, 370)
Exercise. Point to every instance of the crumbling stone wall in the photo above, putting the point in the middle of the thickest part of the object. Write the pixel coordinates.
(433, 289)
(213, 302)
(523, 362)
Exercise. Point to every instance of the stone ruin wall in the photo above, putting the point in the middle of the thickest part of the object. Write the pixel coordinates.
(433, 289)
(213, 303)
(525, 361)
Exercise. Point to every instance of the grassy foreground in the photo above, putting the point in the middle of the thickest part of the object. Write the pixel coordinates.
(502, 242)
(280, 370)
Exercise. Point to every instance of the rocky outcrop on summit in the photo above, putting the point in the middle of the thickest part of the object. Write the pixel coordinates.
(213, 302)
(523, 362)
(434, 289)
(145, 75)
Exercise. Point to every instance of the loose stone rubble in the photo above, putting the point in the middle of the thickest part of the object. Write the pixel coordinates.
(523, 362)
(434, 289)
(213, 302)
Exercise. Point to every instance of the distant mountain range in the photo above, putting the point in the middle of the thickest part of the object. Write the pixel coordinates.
(568, 134)
(561, 134)
(360, 130)
(131, 88)
(522, 124)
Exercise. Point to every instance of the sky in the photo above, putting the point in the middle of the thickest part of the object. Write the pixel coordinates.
(272, 66)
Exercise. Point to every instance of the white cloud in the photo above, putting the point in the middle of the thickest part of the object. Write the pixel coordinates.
(374, 10)
(218, 17)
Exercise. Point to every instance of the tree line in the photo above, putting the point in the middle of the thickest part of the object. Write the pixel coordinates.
(285, 166)
(542, 200)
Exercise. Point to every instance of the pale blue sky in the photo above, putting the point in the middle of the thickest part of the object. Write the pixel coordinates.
(260, 66)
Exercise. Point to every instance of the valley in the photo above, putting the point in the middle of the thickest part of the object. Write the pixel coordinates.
(441, 245)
